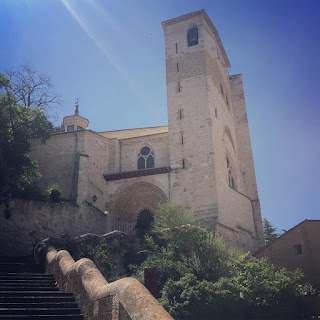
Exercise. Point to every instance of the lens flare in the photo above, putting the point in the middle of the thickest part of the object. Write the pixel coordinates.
(85, 27)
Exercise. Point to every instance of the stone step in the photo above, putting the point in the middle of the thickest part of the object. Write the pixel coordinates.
(28, 289)
(27, 285)
(34, 294)
(17, 259)
(25, 305)
(25, 276)
(27, 281)
(44, 316)
(20, 267)
(36, 299)
(38, 311)
(27, 293)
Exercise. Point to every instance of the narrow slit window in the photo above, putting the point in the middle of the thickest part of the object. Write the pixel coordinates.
(232, 183)
(180, 114)
(182, 139)
(183, 164)
(177, 66)
(297, 250)
(179, 88)
(216, 112)
(176, 48)
(221, 88)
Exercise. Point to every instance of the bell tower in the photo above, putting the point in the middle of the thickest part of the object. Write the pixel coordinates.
(207, 173)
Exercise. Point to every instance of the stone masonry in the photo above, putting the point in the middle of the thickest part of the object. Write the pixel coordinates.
(202, 159)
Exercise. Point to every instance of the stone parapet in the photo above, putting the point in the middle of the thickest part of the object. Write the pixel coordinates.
(125, 299)
(32, 221)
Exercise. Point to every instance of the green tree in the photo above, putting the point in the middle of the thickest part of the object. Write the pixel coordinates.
(179, 246)
(262, 284)
(254, 285)
(171, 215)
(199, 277)
(190, 298)
(269, 231)
(24, 96)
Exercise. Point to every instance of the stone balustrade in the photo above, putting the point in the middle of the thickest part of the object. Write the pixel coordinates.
(124, 299)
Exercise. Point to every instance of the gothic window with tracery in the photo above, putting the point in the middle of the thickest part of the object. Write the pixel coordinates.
(145, 159)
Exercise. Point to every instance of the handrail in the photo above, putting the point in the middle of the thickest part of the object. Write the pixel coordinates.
(126, 298)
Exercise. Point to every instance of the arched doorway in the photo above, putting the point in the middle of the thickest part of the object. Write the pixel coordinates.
(145, 219)
(138, 201)
(144, 222)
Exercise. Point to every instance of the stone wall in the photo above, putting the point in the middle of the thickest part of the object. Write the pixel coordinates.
(245, 152)
(76, 162)
(32, 221)
(57, 160)
(243, 136)
(130, 149)
(97, 149)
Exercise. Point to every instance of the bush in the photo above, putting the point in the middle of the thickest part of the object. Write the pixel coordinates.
(171, 215)
(254, 286)
(203, 253)
(199, 277)
(261, 284)
(98, 254)
(188, 250)
(53, 194)
(189, 298)
(168, 266)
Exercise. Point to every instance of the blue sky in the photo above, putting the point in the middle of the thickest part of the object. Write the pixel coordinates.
(110, 55)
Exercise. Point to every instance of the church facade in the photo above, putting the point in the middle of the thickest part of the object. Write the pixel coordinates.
(202, 159)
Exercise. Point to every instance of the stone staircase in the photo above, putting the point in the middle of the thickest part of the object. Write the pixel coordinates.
(26, 292)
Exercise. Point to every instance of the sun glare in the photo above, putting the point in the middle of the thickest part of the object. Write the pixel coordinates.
(86, 28)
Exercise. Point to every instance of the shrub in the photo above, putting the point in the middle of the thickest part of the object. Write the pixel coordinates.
(98, 254)
(53, 193)
(171, 215)
(168, 266)
(189, 298)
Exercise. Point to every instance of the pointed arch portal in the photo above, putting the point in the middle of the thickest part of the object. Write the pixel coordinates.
(136, 205)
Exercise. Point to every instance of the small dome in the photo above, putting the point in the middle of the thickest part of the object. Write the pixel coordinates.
(75, 122)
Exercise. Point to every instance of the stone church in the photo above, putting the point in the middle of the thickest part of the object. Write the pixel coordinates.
(202, 159)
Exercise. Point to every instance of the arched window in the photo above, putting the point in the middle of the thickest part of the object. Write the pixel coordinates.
(192, 37)
(145, 159)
